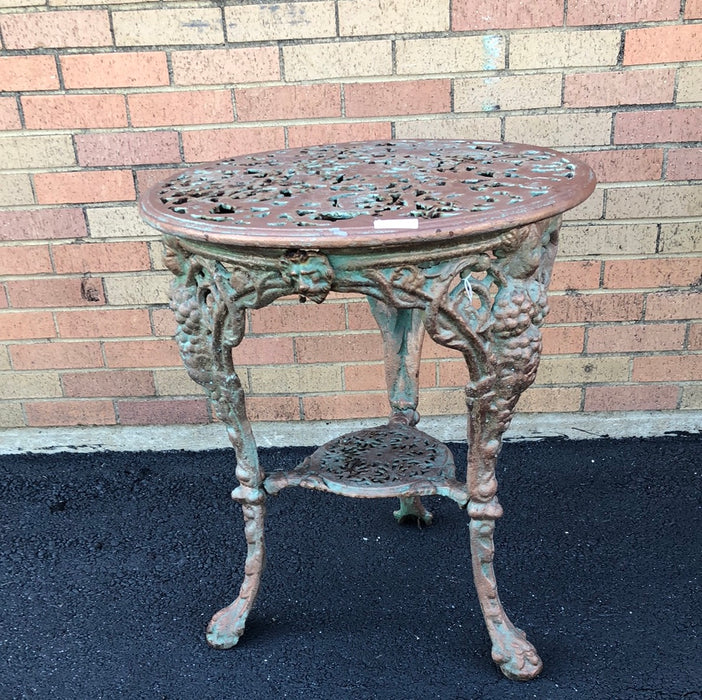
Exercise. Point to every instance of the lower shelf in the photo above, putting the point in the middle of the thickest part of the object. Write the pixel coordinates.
(389, 460)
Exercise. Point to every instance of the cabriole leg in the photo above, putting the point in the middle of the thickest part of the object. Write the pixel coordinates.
(516, 657)
(403, 333)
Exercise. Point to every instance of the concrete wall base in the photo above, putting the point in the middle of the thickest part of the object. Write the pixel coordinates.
(530, 426)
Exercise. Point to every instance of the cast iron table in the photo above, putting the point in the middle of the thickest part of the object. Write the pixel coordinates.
(455, 238)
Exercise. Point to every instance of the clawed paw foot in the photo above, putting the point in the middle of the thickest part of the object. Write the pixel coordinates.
(227, 626)
(517, 658)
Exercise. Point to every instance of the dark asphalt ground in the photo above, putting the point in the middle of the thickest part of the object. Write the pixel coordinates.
(111, 565)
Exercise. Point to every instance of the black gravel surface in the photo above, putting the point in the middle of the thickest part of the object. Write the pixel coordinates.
(112, 563)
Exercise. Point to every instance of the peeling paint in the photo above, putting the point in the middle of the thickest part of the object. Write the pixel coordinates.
(492, 48)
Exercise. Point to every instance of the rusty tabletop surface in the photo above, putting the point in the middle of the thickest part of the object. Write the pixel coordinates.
(367, 194)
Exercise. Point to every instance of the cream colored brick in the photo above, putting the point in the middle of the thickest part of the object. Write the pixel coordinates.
(681, 238)
(691, 397)
(563, 48)
(550, 400)
(462, 54)
(161, 27)
(285, 20)
(21, 3)
(11, 415)
(176, 382)
(4, 358)
(491, 94)
(69, 3)
(293, 379)
(363, 17)
(608, 239)
(656, 202)
(26, 152)
(478, 128)
(590, 210)
(582, 370)
(337, 60)
(689, 84)
(138, 290)
(156, 251)
(571, 129)
(442, 402)
(30, 385)
(118, 222)
(15, 188)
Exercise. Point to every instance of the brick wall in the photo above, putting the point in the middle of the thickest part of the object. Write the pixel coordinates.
(100, 101)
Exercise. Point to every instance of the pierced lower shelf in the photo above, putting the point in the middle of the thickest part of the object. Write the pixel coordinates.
(381, 462)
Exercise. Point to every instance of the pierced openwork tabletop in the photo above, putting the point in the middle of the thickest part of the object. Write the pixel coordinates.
(453, 238)
(367, 193)
(389, 460)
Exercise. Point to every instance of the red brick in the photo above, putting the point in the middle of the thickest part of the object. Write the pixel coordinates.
(508, 14)
(658, 125)
(24, 260)
(595, 308)
(41, 224)
(25, 325)
(83, 187)
(56, 355)
(667, 44)
(142, 353)
(693, 9)
(622, 87)
(621, 11)
(215, 144)
(432, 350)
(104, 323)
(401, 97)
(264, 351)
(576, 275)
(360, 317)
(654, 272)
(113, 70)
(627, 397)
(669, 368)
(625, 165)
(163, 322)
(101, 257)
(684, 164)
(358, 347)
(68, 413)
(640, 337)
(51, 292)
(694, 339)
(275, 408)
(74, 111)
(225, 66)
(184, 107)
(38, 30)
(128, 148)
(108, 383)
(563, 340)
(9, 114)
(287, 102)
(298, 318)
(316, 134)
(147, 178)
(23, 73)
(341, 406)
(453, 373)
(163, 412)
(664, 306)
(371, 377)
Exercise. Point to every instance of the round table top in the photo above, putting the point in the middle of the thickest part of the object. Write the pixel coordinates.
(367, 194)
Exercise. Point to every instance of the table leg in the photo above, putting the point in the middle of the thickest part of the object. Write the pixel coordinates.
(403, 332)
(210, 325)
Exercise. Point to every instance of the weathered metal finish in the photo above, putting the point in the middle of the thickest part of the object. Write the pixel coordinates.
(473, 274)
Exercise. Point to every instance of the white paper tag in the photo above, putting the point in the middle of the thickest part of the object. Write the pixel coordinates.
(396, 223)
